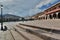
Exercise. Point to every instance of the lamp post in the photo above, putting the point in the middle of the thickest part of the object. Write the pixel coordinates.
(1, 17)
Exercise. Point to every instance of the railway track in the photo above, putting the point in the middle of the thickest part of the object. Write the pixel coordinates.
(6, 35)
(12, 35)
(46, 29)
(27, 35)
(23, 34)
(16, 35)
(24, 31)
(28, 32)
(46, 33)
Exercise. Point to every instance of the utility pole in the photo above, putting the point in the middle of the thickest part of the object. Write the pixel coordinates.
(1, 17)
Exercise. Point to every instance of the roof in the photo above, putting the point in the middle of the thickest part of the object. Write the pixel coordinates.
(53, 6)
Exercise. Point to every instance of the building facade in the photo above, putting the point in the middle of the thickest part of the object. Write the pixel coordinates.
(37, 16)
(52, 12)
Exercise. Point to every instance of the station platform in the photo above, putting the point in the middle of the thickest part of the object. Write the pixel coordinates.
(49, 24)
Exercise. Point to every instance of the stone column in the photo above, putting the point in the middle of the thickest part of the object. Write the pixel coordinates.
(39, 17)
(57, 15)
(47, 16)
(52, 15)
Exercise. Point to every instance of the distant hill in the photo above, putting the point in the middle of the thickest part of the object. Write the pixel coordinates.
(10, 17)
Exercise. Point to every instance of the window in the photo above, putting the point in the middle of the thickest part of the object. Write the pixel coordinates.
(59, 6)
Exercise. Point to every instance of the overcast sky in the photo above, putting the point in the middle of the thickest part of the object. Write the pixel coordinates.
(26, 7)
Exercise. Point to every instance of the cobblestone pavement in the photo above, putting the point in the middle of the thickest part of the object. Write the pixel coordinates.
(27, 33)
(50, 23)
(11, 34)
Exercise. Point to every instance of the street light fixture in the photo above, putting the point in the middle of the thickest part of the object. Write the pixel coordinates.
(1, 17)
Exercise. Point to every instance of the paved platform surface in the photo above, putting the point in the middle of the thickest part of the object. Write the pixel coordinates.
(43, 32)
(12, 34)
(50, 23)
(21, 33)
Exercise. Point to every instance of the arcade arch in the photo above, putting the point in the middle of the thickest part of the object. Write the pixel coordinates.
(59, 15)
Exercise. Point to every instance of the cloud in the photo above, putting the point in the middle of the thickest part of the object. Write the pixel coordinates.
(34, 11)
(43, 2)
(19, 7)
(10, 13)
(46, 2)
(6, 0)
(2, 0)
(42, 6)
(24, 7)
